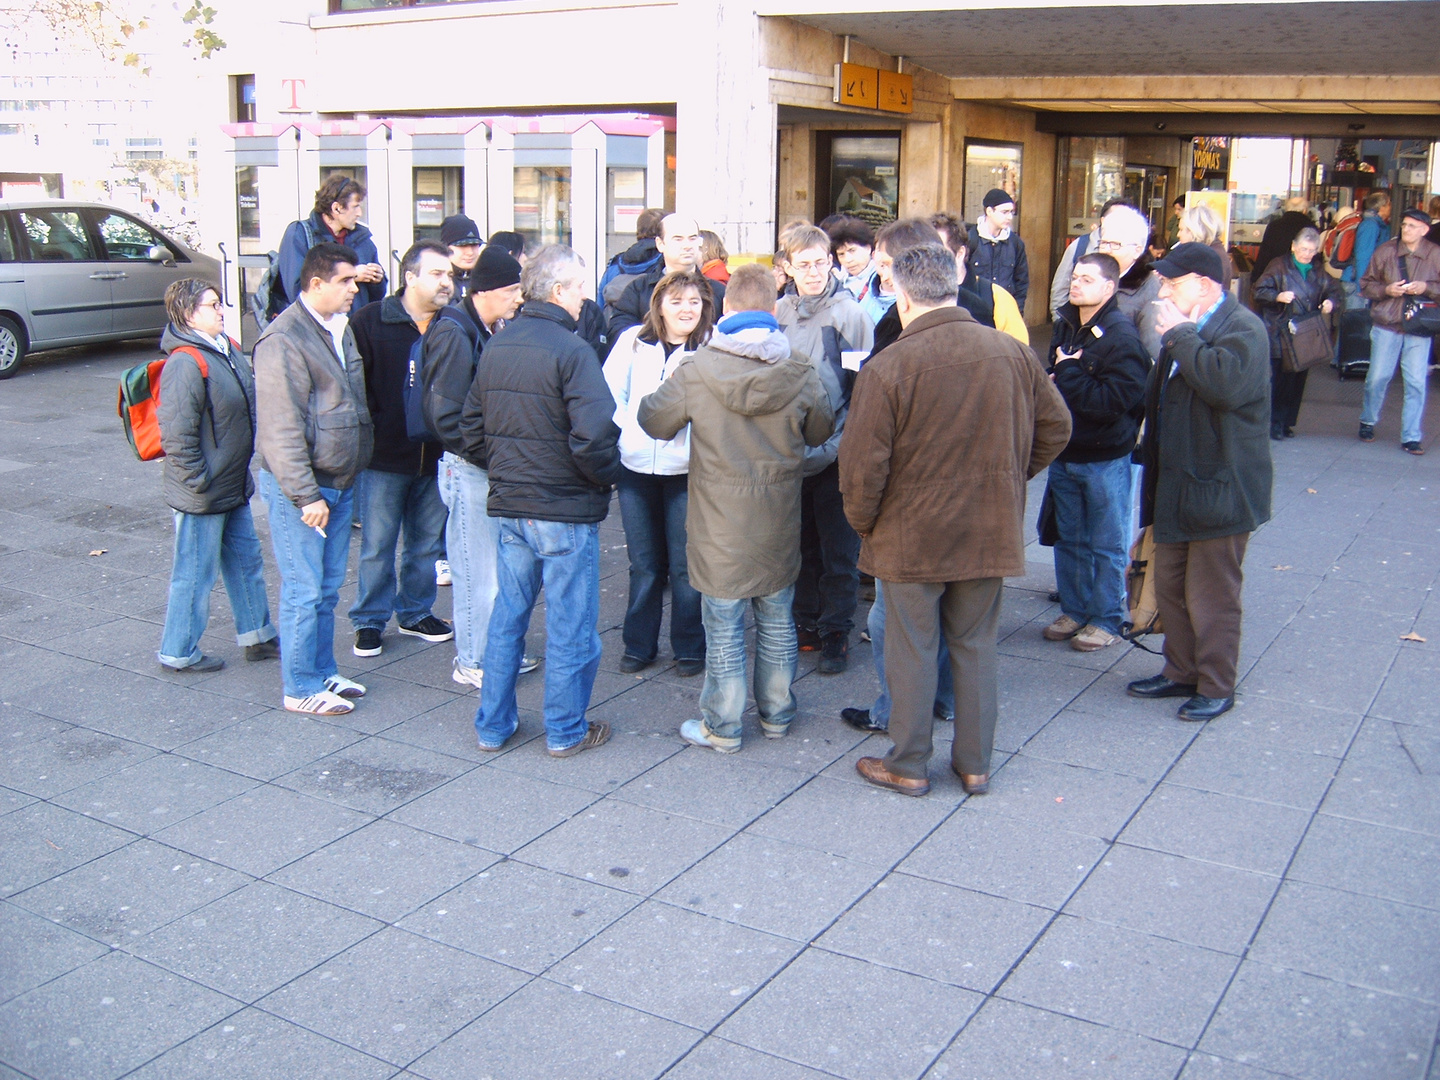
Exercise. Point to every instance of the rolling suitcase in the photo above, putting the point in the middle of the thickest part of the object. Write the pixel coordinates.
(1353, 358)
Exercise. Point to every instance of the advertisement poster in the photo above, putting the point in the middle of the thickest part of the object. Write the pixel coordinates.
(1219, 201)
(865, 177)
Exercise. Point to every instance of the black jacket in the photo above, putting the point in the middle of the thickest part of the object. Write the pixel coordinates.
(384, 333)
(1311, 290)
(447, 368)
(634, 302)
(979, 304)
(1206, 450)
(207, 426)
(540, 414)
(1104, 387)
(1004, 262)
(1277, 238)
(591, 328)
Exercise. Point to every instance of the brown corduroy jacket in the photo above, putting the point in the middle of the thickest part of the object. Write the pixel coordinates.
(946, 426)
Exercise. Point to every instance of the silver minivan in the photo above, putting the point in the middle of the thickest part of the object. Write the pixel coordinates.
(72, 273)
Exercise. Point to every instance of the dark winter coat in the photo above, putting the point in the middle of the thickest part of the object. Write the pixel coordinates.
(293, 249)
(1002, 261)
(447, 368)
(1104, 387)
(1311, 290)
(623, 269)
(1276, 240)
(1206, 449)
(208, 438)
(540, 414)
(634, 303)
(384, 334)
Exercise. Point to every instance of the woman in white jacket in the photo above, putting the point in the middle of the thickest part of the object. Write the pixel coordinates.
(653, 483)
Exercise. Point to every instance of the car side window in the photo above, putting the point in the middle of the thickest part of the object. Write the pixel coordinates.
(56, 236)
(126, 240)
(7, 240)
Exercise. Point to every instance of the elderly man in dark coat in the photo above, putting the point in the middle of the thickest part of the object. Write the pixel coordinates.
(946, 426)
(1208, 476)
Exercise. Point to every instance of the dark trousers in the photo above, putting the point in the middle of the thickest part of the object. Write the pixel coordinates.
(968, 614)
(1286, 390)
(652, 509)
(1197, 589)
(828, 590)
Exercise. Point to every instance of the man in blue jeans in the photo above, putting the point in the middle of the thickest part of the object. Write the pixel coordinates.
(540, 415)
(399, 490)
(752, 408)
(313, 438)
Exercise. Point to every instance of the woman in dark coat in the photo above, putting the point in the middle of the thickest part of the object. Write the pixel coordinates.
(207, 430)
(1291, 285)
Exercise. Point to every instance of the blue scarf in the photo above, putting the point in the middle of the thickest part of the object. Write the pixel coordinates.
(747, 320)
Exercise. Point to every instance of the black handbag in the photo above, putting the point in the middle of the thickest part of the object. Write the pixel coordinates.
(1421, 317)
(1305, 341)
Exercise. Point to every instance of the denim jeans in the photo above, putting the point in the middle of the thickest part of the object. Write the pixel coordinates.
(1387, 348)
(312, 569)
(390, 502)
(828, 589)
(945, 687)
(722, 699)
(565, 558)
(1092, 517)
(472, 538)
(207, 544)
(653, 511)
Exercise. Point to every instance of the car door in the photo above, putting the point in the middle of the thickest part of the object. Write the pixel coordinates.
(137, 290)
(67, 286)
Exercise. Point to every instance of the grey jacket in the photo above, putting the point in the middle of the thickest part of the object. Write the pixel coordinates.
(208, 438)
(820, 328)
(314, 427)
(752, 408)
(1138, 290)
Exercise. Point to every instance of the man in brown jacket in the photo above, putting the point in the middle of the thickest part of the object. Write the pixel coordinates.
(752, 408)
(946, 426)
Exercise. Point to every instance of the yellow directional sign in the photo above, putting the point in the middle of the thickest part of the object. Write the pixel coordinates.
(858, 86)
(897, 92)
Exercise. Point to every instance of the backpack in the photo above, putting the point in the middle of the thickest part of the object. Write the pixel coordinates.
(414, 388)
(264, 303)
(1338, 245)
(140, 398)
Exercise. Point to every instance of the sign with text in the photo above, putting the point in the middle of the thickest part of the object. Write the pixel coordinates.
(897, 92)
(857, 86)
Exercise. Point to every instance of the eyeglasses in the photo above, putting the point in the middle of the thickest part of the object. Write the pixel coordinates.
(216, 304)
(810, 267)
(1113, 245)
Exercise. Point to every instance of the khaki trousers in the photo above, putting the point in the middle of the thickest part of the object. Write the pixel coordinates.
(1197, 589)
(968, 614)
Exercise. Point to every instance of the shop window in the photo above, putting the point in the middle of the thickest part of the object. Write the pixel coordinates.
(244, 90)
(990, 165)
(625, 199)
(542, 204)
(247, 210)
(439, 193)
(860, 172)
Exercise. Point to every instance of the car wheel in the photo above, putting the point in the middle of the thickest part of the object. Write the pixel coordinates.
(12, 347)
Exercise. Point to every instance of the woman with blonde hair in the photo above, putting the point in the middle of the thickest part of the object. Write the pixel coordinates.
(1201, 225)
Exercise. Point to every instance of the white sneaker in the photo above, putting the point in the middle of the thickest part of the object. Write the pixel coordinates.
(696, 733)
(467, 676)
(322, 704)
(346, 688)
(442, 572)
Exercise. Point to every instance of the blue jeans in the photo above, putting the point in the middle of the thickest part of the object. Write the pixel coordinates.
(722, 699)
(312, 569)
(207, 544)
(565, 558)
(945, 687)
(390, 501)
(1387, 348)
(1092, 517)
(472, 538)
(653, 511)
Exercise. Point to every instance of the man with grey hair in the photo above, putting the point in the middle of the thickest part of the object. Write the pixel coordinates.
(946, 426)
(680, 245)
(540, 414)
(1125, 237)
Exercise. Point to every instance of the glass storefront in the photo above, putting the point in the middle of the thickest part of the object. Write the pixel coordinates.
(542, 204)
(439, 193)
(990, 165)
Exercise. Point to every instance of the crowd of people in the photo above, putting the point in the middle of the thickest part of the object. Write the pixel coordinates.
(870, 404)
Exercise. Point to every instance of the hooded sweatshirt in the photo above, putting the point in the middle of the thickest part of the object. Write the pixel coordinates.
(753, 408)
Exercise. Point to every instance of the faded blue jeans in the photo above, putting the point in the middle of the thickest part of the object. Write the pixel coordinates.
(565, 559)
(1412, 354)
(472, 538)
(1092, 518)
(722, 699)
(312, 569)
(207, 544)
(391, 502)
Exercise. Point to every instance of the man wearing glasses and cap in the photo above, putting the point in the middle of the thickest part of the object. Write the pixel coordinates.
(1208, 475)
(461, 236)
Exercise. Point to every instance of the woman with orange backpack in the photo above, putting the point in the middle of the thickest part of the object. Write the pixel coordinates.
(206, 413)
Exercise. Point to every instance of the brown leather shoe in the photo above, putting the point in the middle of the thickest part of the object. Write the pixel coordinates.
(874, 770)
(973, 783)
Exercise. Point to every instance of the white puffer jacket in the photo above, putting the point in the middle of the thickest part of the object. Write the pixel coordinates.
(633, 369)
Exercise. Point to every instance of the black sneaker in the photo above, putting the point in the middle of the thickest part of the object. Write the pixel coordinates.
(807, 639)
(1367, 432)
(689, 667)
(430, 629)
(1412, 448)
(263, 650)
(835, 653)
(367, 642)
(200, 667)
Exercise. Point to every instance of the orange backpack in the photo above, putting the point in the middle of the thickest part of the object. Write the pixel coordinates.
(140, 397)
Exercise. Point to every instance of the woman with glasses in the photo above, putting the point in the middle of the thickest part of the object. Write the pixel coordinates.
(207, 430)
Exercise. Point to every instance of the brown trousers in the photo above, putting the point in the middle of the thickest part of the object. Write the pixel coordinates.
(968, 613)
(1197, 589)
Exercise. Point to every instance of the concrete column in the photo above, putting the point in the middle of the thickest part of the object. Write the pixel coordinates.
(725, 127)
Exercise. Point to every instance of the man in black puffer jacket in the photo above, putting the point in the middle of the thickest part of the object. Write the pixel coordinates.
(540, 414)
(1099, 365)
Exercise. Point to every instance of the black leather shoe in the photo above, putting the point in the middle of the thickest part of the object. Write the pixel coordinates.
(689, 668)
(630, 664)
(860, 720)
(1201, 707)
(1158, 686)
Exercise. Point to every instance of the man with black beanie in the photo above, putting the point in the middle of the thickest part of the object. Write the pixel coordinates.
(460, 234)
(996, 251)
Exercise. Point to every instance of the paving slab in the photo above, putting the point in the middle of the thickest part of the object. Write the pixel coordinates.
(1056, 796)
(726, 790)
(375, 775)
(1386, 797)
(716, 1057)
(1371, 859)
(46, 767)
(269, 744)
(498, 811)
(1218, 828)
(158, 792)
(38, 950)
(42, 840)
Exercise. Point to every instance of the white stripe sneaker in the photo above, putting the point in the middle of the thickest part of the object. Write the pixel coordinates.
(322, 704)
(338, 684)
